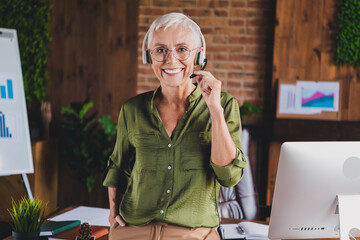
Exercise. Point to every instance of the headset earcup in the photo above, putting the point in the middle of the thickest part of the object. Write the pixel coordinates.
(201, 58)
(197, 58)
(148, 57)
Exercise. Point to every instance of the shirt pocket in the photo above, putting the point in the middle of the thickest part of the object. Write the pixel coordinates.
(146, 152)
(196, 151)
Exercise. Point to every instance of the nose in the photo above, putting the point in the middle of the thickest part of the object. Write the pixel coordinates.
(170, 58)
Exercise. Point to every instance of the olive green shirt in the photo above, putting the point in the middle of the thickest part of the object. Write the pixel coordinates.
(171, 179)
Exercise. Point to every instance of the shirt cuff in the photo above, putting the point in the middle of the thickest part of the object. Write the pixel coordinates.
(232, 173)
(111, 178)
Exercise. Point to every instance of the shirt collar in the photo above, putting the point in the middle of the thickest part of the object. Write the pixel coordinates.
(192, 97)
(195, 94)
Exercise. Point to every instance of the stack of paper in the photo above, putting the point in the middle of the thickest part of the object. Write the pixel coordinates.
(248, 230)
(91, 215)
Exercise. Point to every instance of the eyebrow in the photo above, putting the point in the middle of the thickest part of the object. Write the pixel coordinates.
(164, 45)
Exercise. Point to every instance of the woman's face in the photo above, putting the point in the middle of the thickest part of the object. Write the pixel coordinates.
(173, 72)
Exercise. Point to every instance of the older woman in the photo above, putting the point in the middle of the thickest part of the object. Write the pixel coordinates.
(175, 145)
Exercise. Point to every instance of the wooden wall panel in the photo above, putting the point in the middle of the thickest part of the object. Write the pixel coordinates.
(93, 52)
(274, 153)
(303, 49)
(43, 183)
(11, 187)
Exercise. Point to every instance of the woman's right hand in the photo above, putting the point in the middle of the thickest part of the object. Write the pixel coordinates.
(113, 218)
(114, 200)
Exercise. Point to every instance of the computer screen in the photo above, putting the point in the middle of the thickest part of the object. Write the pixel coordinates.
(310, 175)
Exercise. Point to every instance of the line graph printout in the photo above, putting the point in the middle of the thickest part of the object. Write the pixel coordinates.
(309, 97)
(323, 96)
(288, 103)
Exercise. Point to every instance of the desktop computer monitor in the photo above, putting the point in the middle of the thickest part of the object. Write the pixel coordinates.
(310, 175)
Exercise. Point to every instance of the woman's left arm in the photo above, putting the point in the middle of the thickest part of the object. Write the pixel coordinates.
(223, 148)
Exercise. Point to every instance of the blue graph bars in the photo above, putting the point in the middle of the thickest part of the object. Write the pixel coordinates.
(4, 131)
(10, 92)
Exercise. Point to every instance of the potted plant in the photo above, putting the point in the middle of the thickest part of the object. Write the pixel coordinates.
(85, 232)
(86, 145)
(27, 217)
(247, 110)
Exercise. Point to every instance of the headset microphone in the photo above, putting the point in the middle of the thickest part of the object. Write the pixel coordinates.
(202, 68)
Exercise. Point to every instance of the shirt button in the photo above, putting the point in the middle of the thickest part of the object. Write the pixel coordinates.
(169, 167)
(169, 145)
(161, 211)
(168, 191)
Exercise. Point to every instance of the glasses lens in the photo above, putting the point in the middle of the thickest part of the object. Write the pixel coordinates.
(182, 53)
(160, 54)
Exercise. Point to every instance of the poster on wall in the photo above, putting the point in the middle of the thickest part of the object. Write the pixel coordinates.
(15, 145)
(309, 99)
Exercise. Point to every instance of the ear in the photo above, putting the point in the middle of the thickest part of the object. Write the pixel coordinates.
(148, 57)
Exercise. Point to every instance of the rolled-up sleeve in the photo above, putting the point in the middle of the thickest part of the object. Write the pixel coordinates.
(231, 174)
(118, 172)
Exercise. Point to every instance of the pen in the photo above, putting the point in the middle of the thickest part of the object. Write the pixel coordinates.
(241, 230)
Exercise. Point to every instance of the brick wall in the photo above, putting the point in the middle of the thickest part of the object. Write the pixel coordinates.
(239, 39)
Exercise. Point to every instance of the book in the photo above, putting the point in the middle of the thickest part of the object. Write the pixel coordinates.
(97, 232)
(54, 227)
(246, 230)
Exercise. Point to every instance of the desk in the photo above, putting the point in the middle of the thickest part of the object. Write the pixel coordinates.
(223, 221)
(232, 220)
(71, 232)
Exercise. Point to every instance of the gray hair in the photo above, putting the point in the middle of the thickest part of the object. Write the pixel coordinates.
(175, 19)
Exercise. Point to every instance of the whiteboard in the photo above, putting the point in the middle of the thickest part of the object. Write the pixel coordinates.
(15, 145)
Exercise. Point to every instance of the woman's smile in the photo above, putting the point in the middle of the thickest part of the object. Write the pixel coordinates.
(172, 71)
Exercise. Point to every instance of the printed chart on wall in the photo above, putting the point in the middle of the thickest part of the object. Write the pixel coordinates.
(15, 146)
(309, 97)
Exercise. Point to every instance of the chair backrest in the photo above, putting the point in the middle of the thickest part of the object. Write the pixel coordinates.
(241, 201)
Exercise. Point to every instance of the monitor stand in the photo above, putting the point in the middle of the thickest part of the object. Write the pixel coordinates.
(349, 216)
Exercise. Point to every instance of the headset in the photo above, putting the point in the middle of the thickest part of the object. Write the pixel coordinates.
(200, 58)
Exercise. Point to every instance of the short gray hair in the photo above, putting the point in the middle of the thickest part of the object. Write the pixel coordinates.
(175, 19)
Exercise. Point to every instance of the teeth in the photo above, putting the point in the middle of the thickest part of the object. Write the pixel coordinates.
(172, 70)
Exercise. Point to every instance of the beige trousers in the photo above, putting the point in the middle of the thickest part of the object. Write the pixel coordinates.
(161, 231)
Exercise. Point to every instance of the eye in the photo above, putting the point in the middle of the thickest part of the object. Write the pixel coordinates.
(161, 50)
(182, 49)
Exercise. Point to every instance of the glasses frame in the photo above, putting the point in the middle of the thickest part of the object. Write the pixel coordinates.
(175, 55)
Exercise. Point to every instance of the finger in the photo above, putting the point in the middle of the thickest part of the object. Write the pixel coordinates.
(200, 72)
(120, 221)
(204, 73)
(204, 87)
(198, 79)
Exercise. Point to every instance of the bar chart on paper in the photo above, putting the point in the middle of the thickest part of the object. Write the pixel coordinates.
(6, 90)
(4, 129)
(15, 144)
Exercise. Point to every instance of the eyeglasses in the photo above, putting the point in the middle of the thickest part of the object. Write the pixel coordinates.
(160, 54)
